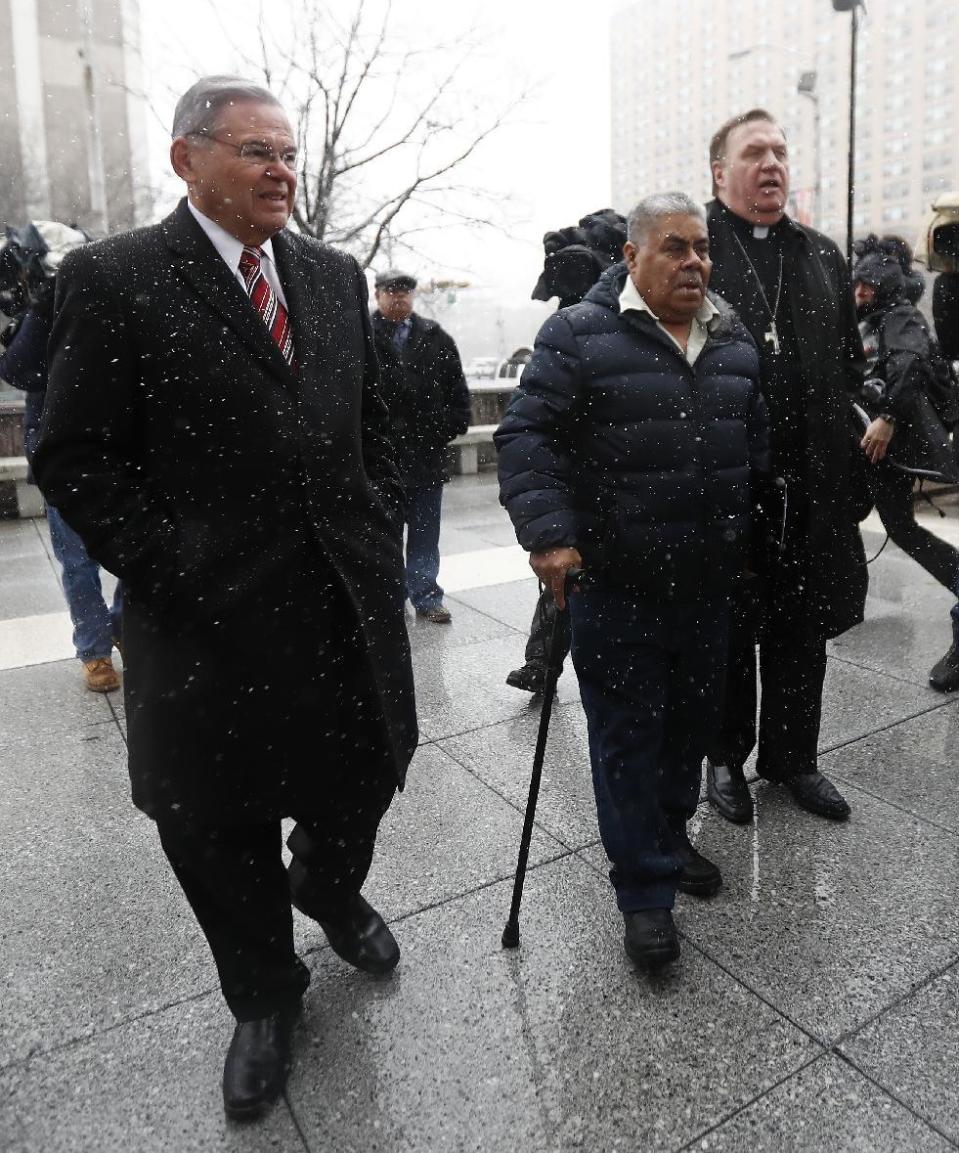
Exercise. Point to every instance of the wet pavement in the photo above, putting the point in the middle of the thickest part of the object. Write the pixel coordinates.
(815, 1007)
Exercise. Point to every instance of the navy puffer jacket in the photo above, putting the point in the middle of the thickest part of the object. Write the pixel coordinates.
(615, 445)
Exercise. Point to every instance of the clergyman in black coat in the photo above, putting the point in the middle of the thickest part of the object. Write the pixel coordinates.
(791, 287)
(214, 433)
(425, 392)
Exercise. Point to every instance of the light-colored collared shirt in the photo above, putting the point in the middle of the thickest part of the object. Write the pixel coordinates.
(231, 250)
(630, 299)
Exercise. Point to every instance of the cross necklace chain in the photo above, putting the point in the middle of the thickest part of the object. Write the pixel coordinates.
(771, 336)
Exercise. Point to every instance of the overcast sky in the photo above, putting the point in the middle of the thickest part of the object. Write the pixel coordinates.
(550, 167)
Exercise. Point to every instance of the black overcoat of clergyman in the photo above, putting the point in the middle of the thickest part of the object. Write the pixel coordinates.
(830, 352)
(252, 510)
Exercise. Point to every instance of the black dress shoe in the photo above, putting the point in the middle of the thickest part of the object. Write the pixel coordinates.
(817, 794)
(356, 932)
(529, 677)
(650, 939)
(700, 876)
(944, 674)
(257, 1063)
(728, 793)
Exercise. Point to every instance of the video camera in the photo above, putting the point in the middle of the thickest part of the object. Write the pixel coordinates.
(938, 249)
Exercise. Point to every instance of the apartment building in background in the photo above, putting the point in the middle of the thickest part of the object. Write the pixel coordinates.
(73, 123)
(678, 69)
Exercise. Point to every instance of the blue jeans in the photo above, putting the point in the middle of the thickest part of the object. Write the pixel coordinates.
(424, 506)
(94, 625)
(650, 677)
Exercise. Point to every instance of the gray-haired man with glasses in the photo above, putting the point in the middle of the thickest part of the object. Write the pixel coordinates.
(213, 432)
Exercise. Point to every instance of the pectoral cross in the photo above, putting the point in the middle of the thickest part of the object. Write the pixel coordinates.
(772, 337)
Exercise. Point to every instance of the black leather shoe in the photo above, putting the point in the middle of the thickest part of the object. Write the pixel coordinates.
(700, 876)
(357, 933)
(728, 793)
(651, 940)
(529, 677)
(817, 794)
(257, 1063)
(944, 674)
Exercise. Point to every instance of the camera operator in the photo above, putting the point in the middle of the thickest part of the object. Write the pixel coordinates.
(909, 393)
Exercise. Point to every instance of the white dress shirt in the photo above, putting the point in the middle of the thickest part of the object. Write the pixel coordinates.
(231, 250)
(631, 299)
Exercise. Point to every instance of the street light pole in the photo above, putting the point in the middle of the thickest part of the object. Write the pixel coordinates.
(852, 7)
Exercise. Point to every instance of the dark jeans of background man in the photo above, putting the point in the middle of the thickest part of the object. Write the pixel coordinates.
(249, 926)
(792, 667)
(650, 677)
(95, 627)
(897, 512)
(424, 509)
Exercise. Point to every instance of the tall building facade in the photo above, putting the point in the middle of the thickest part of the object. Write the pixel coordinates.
(73, 122)
(679, 69)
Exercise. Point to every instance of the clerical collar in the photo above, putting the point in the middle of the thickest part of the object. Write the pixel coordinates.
(747, 229)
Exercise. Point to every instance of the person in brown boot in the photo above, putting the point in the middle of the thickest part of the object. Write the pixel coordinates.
(100, 675)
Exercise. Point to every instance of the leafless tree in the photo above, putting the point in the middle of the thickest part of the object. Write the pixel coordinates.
(388, 130)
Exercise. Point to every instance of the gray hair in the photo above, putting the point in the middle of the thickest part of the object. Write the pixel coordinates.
(198, 107)
(652, 208)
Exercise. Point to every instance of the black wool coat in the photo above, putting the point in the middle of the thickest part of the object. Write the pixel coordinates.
(823, 313)
(427, 397)
(615, 445)
(253, 513)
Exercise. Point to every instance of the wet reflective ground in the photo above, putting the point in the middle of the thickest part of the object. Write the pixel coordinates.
(816, 1005)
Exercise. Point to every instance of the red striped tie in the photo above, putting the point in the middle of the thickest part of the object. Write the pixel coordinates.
(267, 303)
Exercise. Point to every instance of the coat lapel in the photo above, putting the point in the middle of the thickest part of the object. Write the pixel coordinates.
(200, 264)
(308, 301)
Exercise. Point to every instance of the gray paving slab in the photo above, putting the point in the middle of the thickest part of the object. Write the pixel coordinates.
(20, 538)
(466, 688)
(513, 604)
(454, 539)
(94, 927)
(907, 626)
(428, 640)
(911, 1051)
(502, 756)
(912, 765)
(829, 922)
(825, 1108)
(445, 835)
(48, 699)
(149, 1086)
(857, 701)
(28, 587)
(560, 1045)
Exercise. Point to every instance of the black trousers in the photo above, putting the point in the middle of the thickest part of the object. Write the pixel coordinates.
(897, 512)
(237, 886)
(774, 613)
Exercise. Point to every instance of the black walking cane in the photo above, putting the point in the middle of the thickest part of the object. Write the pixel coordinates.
(573, 577)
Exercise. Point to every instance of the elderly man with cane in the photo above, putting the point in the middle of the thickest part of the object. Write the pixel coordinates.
(633, 448)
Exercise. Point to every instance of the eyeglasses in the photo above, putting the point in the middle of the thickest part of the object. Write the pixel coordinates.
(255, 151)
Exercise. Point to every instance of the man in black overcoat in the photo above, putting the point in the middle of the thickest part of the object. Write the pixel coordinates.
(429, 404)
(214, 433)
(791, 287)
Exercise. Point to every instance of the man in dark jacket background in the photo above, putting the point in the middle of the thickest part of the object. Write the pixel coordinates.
(791, 287)
(429, 404)
(630, 448)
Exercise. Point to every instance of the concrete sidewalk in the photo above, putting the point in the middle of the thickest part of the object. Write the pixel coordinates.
(816, 1005)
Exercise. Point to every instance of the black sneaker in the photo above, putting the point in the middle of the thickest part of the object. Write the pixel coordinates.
(945, 672)
(529, 677)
